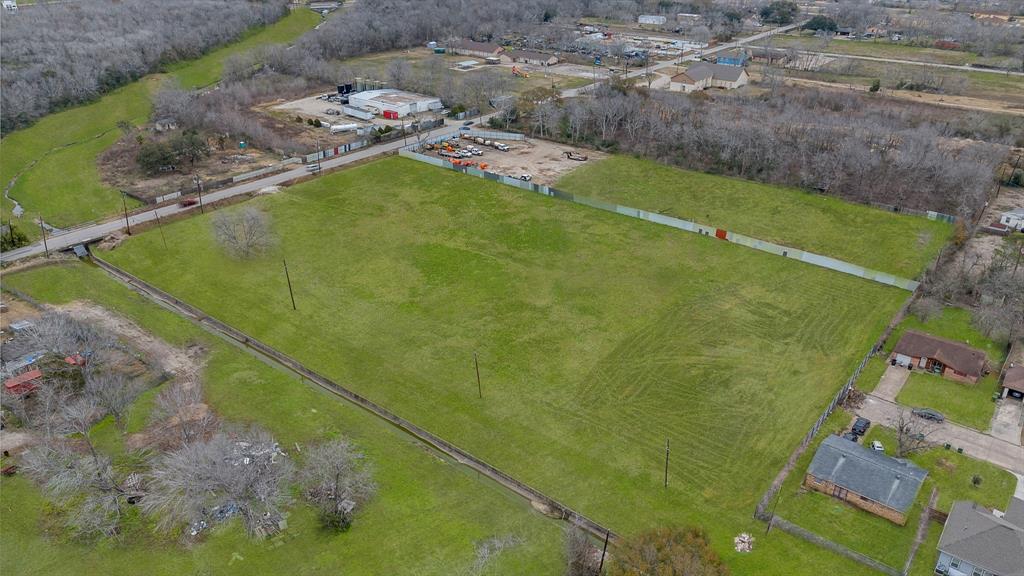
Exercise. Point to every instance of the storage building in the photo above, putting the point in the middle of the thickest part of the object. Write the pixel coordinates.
(478, 49)
(530, 57)
(651, 20)
(703, 75)
(390, 100)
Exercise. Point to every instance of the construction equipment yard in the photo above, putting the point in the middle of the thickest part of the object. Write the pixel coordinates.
(544, 161)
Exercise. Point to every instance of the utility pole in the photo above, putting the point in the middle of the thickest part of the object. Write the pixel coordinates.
(199, 190)
(43, 230)
(125, 206)
(604, 551)
(666, 462)
(161, 227)
(479, 389)
(318, 155)
(289, 279)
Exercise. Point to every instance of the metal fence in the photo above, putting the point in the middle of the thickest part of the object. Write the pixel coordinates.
(268, 170)
(459, 455)
(789, 527)
(491, 135)
(929, 214)
(680, 224)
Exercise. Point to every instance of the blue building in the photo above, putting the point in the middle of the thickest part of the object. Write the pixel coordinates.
(733, 58)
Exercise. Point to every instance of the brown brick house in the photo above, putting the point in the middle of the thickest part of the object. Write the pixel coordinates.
(947, 358)
(867, 479)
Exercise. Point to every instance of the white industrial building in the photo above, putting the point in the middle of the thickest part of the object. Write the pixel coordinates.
(389, 100)
(651, 19)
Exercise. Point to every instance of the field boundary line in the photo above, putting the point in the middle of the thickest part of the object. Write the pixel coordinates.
(819, 260)
(461, 456)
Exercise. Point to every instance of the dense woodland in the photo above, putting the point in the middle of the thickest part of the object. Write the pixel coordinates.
(58, 55)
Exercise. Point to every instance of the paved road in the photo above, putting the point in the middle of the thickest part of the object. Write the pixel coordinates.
(92, 232)
(975, 444)
(913, 63)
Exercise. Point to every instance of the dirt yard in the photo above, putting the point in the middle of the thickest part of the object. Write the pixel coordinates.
(543, 160)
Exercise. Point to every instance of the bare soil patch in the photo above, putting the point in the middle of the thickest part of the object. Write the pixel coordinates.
(543, 160)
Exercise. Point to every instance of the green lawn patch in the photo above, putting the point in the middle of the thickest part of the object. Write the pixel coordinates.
(927, 553)
(598, 336)
(871, 374)
(951, 473)
(428, 517)
(954, 324)
(967, 404)
(878, 49)
(64, 186)
(894, 243)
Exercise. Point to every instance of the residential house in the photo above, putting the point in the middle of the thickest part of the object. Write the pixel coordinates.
(734, 57)
(478, 49)
(703, 75)
(1014, 219)
(1013, 383)
(530, 57)
(865, 478)
(947, 358)
(978, 542)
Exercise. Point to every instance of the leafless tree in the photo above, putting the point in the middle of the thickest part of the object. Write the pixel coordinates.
(337, 479)
(578, 553)
(177, 405)
(490, 549)
(243, 233)
(912, 433)
(243, 473)
(398, 72)
(63, 335)
(113, 392)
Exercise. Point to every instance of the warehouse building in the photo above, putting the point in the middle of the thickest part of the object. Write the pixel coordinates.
(530, 57)
(392, 103)
(478, 49)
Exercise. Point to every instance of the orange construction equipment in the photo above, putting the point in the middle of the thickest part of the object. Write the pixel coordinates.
(517, 72)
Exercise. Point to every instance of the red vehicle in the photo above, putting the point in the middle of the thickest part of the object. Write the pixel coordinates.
(188, 202)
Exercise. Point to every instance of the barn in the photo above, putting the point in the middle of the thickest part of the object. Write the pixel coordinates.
(867, 479)
(947, 358)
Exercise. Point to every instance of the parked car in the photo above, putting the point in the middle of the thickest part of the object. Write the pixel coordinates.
(929, 414)
(467, 123)
(526, 177)
(851, 437)
(877, 446)
(860, 426)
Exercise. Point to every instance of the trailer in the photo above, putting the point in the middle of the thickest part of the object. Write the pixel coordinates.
(339, 128)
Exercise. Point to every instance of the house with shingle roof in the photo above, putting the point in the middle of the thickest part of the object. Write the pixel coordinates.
(865, 478)
(978, 542)
(469, 47)
(703, 75)
(947, 358)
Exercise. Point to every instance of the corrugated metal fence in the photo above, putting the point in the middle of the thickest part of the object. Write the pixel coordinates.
(680, 224)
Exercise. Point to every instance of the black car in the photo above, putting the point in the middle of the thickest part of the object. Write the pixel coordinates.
(860, 426)
(851, 437)
(929, 414)
(467, 123)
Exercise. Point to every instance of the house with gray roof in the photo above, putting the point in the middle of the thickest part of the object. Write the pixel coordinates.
(704, 75)
(865, 478)
(978, 542)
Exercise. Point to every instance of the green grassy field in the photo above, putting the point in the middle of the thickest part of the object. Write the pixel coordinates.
(897, 244)
(427, 518)
(878, 49)
(64, 186)
(871, 374)
(967, 404)
(598, 336)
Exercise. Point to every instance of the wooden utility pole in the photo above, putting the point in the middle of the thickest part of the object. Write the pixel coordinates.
(161, 227)
(289, 279)
(479, 389)
(125, 206)
(42, 229)
(604, 551)
(666, 462)
(199, 190)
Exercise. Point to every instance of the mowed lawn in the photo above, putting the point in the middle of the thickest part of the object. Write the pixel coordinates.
(429, 515)
(893, 243)
(64, 185)
(598, 336)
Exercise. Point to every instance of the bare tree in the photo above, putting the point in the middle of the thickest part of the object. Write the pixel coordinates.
(912, 433)
(337, 480)
(112, 392)
(180, 406)
(578, 553)
(398, 72)
(243, 233)
(243, 473)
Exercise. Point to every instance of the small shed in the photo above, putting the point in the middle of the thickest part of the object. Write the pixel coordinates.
(24, 383)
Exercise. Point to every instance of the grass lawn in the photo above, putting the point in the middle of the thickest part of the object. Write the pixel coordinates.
(927, 553)
(967, 404)
(954, 324)
(871, 374)
(877, 49)
(599, 336)
(843, 523)
(64, 185)
(898, 244)
(427, 518)
(951, 473)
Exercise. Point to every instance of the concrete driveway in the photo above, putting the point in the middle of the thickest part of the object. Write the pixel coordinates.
(975, 444)
(1008, 420)
(891, 383)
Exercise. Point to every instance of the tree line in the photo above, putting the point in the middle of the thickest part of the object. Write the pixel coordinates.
(60, 55)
